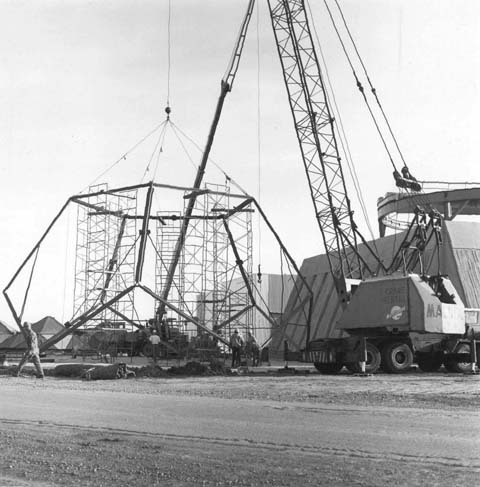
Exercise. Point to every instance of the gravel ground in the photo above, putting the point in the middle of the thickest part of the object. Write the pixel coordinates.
(416, 389)
(37, 455)
(71, 457)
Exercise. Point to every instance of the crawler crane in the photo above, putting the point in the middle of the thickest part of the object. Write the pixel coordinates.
(391, 316)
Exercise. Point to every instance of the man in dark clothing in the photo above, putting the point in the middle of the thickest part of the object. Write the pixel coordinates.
(252, 349)
(236, 344)
(32, 353)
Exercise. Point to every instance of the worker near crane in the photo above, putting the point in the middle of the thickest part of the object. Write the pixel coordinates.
(236, 344)
(155, 341)
(252, 349)
(32, 353)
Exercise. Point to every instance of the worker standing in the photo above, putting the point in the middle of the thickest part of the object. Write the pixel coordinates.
(32, 353)
(236, 344)
(252, 349)
(155, 341)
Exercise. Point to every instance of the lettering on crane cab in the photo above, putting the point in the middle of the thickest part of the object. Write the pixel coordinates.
(395, 295)
(434, 311)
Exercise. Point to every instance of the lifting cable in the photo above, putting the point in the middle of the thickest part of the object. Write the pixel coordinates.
(415, 196)
(259, 149)
(158, 149)
(169, 64)
(159, 146)
(161, 126)
(211, 161)
(360, 87)
(372, 88)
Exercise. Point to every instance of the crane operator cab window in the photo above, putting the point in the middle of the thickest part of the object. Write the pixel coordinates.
(437, 284)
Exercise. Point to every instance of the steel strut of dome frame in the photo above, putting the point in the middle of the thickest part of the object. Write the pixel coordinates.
(107, 302)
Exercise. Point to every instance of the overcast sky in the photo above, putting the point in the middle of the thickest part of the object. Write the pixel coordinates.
(84, 81)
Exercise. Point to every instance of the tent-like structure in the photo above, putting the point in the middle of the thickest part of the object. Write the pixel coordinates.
(459, 257)
(45, 329)
(6, 331)
(76, 341)
(16, 342)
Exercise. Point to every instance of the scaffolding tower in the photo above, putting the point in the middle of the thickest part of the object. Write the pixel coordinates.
(224, 300)
(105, 253)
(213, 300)
(168, 226)
(208, 283)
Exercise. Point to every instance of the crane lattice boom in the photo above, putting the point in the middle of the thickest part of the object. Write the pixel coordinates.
(314, 125)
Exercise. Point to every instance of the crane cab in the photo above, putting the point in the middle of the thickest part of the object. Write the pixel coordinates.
(404, 303)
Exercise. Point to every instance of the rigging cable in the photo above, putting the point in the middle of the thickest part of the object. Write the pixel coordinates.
(417, 199)
(360, 87)
(197, 146)
(158, 146)
(176, 129)
(124, 156)
(372, 88)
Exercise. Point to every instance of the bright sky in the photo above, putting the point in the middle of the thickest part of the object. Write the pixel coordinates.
(82, 82)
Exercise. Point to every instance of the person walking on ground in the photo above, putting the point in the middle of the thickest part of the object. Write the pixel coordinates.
(155, 341)
(252, 349)
(236, 344)
(32, 353)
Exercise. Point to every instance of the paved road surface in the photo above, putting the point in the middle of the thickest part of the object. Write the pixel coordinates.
(423, 438)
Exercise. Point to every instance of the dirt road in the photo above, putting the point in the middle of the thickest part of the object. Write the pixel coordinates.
(300, 430)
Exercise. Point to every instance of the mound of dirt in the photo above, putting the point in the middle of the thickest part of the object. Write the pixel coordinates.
(8, 370)
(194, 368)
(151, 371)
(68, 370)
(218, 367)
(191, 368)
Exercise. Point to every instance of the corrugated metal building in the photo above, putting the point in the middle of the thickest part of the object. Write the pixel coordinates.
(459, 258)
(271, 296)
(6, 331)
